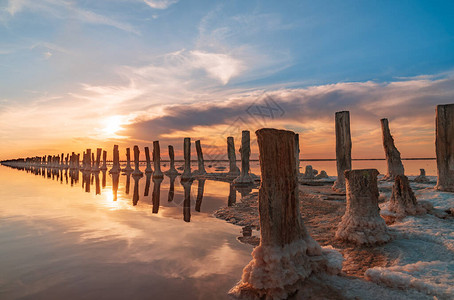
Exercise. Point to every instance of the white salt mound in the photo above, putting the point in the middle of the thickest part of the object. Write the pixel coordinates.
(432, 278)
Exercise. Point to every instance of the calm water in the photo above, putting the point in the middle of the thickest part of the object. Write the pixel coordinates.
(124, 237)
(59, 241)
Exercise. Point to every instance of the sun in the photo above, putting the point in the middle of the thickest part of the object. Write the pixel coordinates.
(112, 125)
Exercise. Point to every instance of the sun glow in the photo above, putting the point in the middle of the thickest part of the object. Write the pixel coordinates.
(112, 125)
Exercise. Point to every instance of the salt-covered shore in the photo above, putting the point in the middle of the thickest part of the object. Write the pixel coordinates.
(417, 264)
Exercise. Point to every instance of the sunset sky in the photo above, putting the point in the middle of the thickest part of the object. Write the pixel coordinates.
(86, 74)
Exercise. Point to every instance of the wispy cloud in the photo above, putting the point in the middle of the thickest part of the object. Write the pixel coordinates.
(64, 10)
(160, 4)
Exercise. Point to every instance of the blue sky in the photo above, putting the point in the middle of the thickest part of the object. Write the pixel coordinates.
(71, 70)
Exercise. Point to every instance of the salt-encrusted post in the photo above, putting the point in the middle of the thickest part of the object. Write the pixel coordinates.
(88, 160)
(343, 148)
(403, 201)
(200, 162)
(128, 161)
(172, 171)
(234, 170)
(245, 177)
(147, 156)
(93, 161)
(421, 178)
(157, 160)
(444, 146)
(393, 160)
(116, 161)
(287, 254)
(361, 223)
(104, 160)
(137, 171)
(187, 174)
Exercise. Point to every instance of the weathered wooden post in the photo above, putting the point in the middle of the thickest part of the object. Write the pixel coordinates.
(93, 161)
(234, 171)
(343, 148)
(444, 146)
(187, 174)
(172, 171)
(104, 160)
(128, 161)
(98, 160)
(116, 161)
(403, 201)
(422, 178)
(287, 254)
(297, 153)
(200, 162)
(361, 223)
(147, 156)
(137, 171)
(395, 166)
(157, 160)
(245, 177)
(87, 166)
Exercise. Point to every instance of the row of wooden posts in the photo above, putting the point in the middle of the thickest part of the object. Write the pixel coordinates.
(444, 143)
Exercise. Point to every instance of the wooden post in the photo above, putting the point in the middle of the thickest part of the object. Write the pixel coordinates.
(343, 148)
(147, 156)
(187, 174)
(234, 171)
(128, 161)
(172, 171)
(361, 223)
(395, 166)
(157, 160)
(444, 146)
(245, 177)
(287, 254)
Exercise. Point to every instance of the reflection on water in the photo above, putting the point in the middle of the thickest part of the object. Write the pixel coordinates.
(59, 241)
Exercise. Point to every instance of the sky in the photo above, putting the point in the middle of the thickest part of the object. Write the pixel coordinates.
(86, 74)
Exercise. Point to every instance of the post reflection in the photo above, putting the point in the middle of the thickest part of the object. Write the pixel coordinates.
(86, 179)
(135, 193)
(103, 178)
(232, 195)
(115, 182)
(128, 182)
(97, 183)
(147, 184)
(187, 200)
(156, 195)
(171, 188)
(200, 189)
